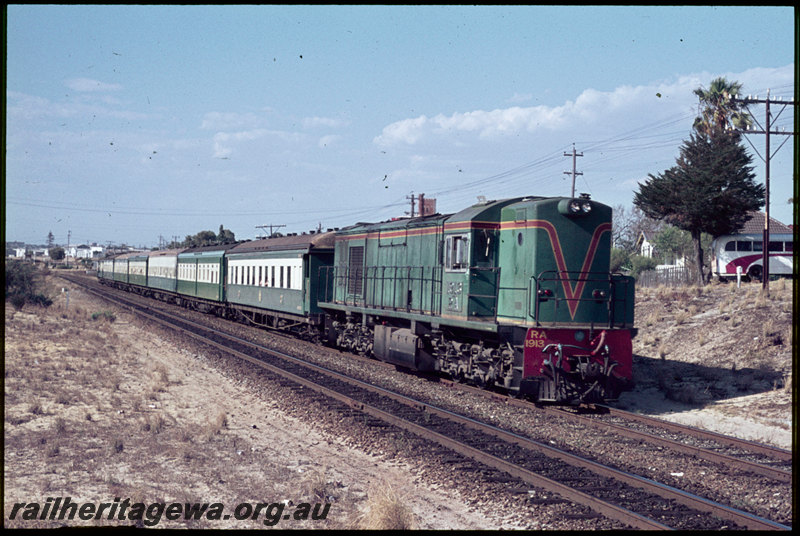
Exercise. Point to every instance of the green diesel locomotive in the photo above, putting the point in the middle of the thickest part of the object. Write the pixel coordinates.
(514, 293)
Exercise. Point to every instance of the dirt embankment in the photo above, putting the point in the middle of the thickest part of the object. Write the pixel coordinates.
(717, 357)
(101, 409)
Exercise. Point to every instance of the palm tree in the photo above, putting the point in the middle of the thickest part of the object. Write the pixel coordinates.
(721, 110)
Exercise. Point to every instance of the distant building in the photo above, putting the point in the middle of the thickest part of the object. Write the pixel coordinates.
(644, 245)
(646, 248)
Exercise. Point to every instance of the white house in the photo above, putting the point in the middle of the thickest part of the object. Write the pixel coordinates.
(647, 249)
(644, 244)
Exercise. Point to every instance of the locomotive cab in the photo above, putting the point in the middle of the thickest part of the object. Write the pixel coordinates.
(555, 283)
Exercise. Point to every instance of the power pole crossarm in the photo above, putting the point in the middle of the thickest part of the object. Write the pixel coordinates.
(574, 171)
(272, 228)
(767, 126)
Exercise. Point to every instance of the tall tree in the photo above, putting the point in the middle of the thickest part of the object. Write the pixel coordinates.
(719, 111)
(225, 236)
(711, 189)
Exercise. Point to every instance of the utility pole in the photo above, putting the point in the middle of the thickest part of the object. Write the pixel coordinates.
(412, 198)
(272, 228)
(767, 156)
(574, 172)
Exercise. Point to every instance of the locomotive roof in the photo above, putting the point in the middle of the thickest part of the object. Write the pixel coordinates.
(486, 210)
(398, 223)
(291, 242)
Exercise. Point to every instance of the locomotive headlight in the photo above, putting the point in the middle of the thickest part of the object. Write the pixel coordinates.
(575, 207)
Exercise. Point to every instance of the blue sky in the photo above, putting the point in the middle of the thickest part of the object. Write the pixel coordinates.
(130, 123)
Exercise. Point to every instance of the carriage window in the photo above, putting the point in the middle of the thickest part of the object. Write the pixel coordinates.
(730, 246)
(775, 246)
(456, 252)
(744, 246)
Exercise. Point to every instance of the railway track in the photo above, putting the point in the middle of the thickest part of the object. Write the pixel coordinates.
(499, 455)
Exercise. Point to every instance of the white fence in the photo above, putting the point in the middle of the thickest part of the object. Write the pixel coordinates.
(670, 277)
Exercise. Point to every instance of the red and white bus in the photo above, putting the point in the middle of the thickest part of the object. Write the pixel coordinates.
(746, 252)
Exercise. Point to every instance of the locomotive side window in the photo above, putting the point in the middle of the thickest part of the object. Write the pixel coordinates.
(484, 249)
(456, 252)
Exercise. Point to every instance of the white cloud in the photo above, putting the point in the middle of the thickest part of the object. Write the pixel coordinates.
(223, 140)
(330, 122)
(90, 85)
(592, 108)
(230, 121)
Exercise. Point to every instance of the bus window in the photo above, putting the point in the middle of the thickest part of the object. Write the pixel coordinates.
(775, 246)
(787, 246)
(730, 246)
(744, 246)
(758, 246)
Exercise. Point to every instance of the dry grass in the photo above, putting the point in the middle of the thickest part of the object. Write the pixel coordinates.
(385, 511)
(732, 340)
(90, 415)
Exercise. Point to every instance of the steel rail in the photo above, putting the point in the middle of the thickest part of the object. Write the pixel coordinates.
(751, 446)
(765, 470)
(739, 517)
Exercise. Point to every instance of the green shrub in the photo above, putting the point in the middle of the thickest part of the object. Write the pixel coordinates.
(23, 284)
(104, 315)
(641, 264)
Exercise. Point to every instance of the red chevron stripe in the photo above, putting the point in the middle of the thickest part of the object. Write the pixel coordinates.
(570, 292)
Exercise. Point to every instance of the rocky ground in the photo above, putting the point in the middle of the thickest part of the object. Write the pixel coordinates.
(98, 406)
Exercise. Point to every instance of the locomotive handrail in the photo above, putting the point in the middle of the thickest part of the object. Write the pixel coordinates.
(375, 292)
(574, 277)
